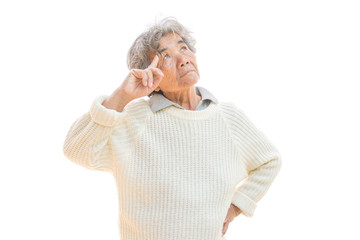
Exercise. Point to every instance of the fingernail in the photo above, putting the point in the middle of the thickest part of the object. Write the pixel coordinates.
(150, 84)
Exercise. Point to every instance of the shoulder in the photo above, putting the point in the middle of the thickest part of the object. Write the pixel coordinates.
(230, 111)
(244, 130)
(238, 122)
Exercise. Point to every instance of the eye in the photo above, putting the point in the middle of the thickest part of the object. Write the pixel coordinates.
(166, 56)
(184, 48)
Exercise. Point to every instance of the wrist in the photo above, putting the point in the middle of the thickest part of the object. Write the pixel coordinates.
(236, 210)
(118, 100)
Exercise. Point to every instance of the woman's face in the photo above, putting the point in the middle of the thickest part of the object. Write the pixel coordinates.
(178, 63)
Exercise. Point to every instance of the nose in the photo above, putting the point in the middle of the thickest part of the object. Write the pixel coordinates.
(182, 61)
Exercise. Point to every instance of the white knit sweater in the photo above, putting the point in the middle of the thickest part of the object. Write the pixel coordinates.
(176, 170)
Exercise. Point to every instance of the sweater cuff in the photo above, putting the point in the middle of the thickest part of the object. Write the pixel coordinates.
(246, 205)
(104, 116)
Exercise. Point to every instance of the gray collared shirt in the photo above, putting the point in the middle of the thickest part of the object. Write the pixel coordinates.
(158, 101)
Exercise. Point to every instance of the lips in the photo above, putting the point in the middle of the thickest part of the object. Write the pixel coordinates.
(192, 70)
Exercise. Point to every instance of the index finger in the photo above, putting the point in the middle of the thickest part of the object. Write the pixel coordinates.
(154, 62)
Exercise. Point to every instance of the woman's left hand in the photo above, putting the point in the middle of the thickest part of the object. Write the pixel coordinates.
(231, 214)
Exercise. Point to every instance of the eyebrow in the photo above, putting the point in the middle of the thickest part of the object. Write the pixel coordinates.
(164, 49)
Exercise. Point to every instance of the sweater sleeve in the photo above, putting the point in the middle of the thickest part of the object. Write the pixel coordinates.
(261, 158)
(90, 139)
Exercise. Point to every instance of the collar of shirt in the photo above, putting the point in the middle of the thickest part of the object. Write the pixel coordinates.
(159, 101)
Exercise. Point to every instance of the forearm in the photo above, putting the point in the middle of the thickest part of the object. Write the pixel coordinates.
(117, 100)
(256, 185)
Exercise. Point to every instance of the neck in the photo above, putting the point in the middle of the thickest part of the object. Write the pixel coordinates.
(186, 98)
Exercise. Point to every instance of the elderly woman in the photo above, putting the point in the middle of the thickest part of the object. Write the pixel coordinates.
(177, 154)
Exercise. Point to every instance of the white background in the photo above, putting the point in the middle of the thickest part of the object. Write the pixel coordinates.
(292, 66)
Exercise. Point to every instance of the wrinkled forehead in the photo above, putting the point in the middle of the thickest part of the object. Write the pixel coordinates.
(169, 40)
(166, 42)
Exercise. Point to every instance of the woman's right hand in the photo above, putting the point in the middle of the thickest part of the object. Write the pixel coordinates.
(141, 82)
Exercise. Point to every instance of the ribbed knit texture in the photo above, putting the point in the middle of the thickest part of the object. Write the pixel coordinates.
(176, 170)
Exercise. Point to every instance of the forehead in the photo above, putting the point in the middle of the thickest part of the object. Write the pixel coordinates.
(169, 40)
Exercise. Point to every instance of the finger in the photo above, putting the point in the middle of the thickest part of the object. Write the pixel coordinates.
(154, 62)
(140, 74)
(137, 73)
(150, 78)
(145, 80)
(157, 72)
(157, 76)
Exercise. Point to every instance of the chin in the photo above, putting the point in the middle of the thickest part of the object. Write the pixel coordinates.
(190, 82)
(192, 78)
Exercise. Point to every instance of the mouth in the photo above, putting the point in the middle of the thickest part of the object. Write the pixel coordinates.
(184, 74)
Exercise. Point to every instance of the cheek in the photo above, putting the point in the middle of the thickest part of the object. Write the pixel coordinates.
(167, 68)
